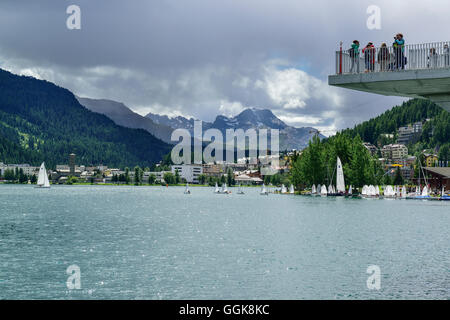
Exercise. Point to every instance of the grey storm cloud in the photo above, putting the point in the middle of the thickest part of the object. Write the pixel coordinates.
(206, 57)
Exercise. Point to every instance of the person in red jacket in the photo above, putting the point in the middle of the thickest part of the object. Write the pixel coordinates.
(369, 57)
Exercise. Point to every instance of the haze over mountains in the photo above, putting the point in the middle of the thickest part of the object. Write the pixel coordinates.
(251, 118)
(162, 126)
(124, 116)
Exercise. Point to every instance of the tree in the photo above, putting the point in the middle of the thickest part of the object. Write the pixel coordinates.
(202, 179)
(127, 175)
(151, 179)
(230, 176)
(398, 179)
(137, 175)
(33, 179)
(177, 177)
(169, 178)
(9, 175)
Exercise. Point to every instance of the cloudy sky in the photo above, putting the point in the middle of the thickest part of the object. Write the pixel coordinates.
(201, 58)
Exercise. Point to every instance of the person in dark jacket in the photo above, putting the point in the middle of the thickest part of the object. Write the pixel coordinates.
(383, 57)
(369, 57)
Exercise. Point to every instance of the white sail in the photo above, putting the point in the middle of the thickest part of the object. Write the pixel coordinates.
(216, 190)
(291, 189)
(323, 190)
(187, 191)
(425, 192)
(225, 189)
(340, 182)
(364, 190)
(283, 189)
(377, 190)
(43, 177)
(404, 192)
(263, 189)
(313, 189)
(330, 189)
(350, 190)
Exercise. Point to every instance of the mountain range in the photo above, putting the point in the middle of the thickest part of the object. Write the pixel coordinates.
(251, 118)
(40, 121)
(162, 126)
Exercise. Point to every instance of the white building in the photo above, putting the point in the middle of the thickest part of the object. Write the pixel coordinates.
(26, 168)
(189, 172)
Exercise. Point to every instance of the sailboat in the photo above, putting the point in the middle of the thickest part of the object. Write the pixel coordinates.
(340, 182)
(404, 192)
(43, 177)
(264, 190)
(283, 189)
(291, 189)
(217, 190)
(240, 190)
(323, 191)
(444, 197)
(187, 191)
(313, 189)
(224, 189)
(339, 191)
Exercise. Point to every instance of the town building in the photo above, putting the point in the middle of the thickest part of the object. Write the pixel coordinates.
(26, 168)
(394, 151)
(188, 172)
(372, 149)
(409, 134)
(439, 177)
(431, 160)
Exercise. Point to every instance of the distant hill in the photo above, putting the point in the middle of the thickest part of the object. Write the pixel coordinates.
(40, 121)
(409, 112)
(290, 137)
(124, 116)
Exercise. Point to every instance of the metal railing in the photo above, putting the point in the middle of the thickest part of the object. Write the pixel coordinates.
(393, 59)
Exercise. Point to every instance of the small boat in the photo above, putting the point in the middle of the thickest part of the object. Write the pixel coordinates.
(264, 190)
(216, 189)
(224, 189)
(404, 195)
(283, 189)
(187, 191)
(43, 178)
(240, 190)
(323, 191)
(291, 189)
(339, 191)
(444, 196)
(313, 189)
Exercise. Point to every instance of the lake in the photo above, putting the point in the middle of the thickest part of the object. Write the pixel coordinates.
(158, 243)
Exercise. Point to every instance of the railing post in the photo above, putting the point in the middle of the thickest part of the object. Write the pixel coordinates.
(340, 58)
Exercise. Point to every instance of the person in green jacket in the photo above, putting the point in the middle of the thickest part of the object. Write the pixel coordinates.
(354, 56)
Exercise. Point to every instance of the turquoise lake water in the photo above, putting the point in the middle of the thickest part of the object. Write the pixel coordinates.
(157, 243)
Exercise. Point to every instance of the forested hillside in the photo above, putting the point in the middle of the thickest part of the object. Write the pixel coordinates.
(40, 121)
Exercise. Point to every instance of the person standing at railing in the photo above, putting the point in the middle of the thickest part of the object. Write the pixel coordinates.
(369, 57)
(354, 56)
(446, 56)
(432, 59)
(399, 51)
(383, 57)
